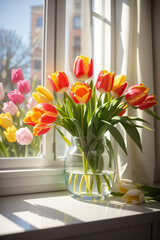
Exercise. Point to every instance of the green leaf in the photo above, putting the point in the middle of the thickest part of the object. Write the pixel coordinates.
(153, 114)
(75, 108)
(3, 150)
(63, 136)
(110, 151)
(117, 135)
(78, 126)
(117, 194)
(133, 133)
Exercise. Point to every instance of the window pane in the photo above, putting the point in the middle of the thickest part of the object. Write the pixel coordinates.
(72, 50)
(21, 24)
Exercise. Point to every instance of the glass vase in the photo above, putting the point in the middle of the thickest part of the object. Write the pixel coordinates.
(90, 168)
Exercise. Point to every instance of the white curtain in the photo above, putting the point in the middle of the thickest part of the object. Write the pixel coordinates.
(133, 56)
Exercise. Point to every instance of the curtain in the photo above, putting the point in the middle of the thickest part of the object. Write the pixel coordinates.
(132, 55)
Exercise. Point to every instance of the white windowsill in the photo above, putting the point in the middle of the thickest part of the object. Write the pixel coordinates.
(57, 215)
(22, 181)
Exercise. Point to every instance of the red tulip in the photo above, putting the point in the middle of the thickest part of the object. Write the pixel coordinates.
(59, 81)
(136, 94)
(105, 81)
(148, 102)
(119, 85)
(80, 92)
(17, 75)
(83, 67)
(43, 113)
(40, 129)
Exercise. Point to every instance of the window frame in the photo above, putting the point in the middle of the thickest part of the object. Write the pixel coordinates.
(40, 174)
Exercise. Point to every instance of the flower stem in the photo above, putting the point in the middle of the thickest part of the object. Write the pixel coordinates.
(14, 149)
(82, 118)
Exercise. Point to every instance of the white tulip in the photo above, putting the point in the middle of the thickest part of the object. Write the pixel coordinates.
(134, 196)
(125, 185)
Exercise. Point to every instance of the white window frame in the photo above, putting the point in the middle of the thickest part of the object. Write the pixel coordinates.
(28, 175)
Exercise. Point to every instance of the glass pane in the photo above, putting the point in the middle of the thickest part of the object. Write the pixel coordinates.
(101, 46)
(102, 7)
(72, 50)
(21, 24)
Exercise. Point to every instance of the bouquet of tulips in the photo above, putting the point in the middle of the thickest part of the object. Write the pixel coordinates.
(89, 114)
(83, 113)
(12, 128)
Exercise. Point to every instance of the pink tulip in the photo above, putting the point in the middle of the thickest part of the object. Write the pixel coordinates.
(17, 75)
(1, 92)
(24, 86)
(24, 136)
(31, 102)
(16, 97)
(10, 107)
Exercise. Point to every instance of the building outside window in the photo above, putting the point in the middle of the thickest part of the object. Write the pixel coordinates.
(77, 22)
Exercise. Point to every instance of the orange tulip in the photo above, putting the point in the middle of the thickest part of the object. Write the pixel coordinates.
(80, 92)
(148, 102)
(104, 82)
(43, 113)
(83, 67)
(136, 94)
(119, 85)
(59, 81)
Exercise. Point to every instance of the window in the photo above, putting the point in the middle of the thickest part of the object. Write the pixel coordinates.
(37, 64)
(21, 46)
(101, 18)
(52, 53)
(77, 22)
(39, 22)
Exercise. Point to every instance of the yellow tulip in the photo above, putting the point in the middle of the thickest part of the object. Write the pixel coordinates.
(10, 134)
(6, 120)
(42, 95)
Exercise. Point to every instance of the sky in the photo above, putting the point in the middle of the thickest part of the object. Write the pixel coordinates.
(16, 15)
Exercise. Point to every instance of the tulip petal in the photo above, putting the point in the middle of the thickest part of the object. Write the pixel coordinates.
(47, 118)
(79, 68)
(40, 129)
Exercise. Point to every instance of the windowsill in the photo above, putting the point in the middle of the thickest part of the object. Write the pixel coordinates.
(57, 215)
(22, 181)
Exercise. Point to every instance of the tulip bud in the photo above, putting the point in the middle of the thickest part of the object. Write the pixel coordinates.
(24, 86)
(24, 136)
(31, 102)
(1, 92)
(105, 81)
(10, 107)
(41, 114)
(40, 129)
(125, 185)
(6, 120)
(17, 75)
(136, 94)
(83, 67)
(42, 95)
(119, 85)
(148, 102)
(16, 97)
(59, 81)
(80, 92)
(134, 196)
(10, 133)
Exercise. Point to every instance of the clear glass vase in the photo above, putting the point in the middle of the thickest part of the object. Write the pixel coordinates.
(90, 168)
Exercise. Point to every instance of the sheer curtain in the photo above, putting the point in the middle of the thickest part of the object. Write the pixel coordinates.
(132, 55)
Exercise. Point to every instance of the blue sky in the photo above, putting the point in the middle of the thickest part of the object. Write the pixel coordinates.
(16, 15)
